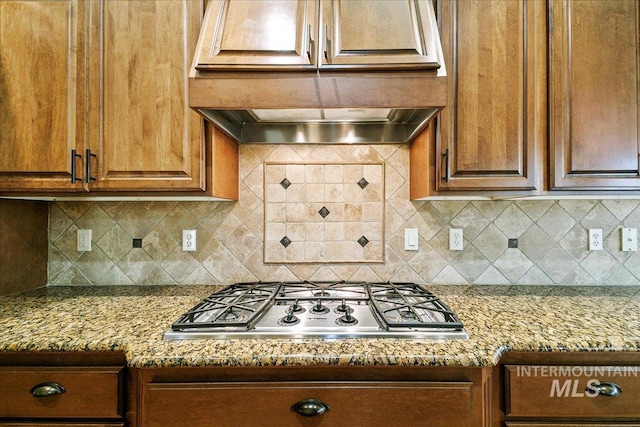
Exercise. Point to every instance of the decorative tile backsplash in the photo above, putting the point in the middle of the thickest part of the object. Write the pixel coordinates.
(552, 234)
(324, 212)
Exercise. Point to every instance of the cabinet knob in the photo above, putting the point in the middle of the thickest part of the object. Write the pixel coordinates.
(310, 407)
(47, 389)
(606, 389)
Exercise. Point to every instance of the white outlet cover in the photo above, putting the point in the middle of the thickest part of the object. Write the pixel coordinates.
(595, 239)
(188, 240)
(456, 241)
(84, 241)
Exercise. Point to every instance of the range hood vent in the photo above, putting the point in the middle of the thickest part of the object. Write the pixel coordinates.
(319, 71)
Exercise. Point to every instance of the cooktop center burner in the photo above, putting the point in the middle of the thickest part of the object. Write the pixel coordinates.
(305, 309)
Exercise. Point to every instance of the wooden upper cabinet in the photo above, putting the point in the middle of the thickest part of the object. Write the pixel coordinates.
(249, 34)
(141, 129)
(383, 34)
(494, 121)
(41, 111)
(594, 94)
(295, 35)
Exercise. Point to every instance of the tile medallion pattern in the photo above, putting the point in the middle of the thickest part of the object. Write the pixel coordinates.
(324, 212)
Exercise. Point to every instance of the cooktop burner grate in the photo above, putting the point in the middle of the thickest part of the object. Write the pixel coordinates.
(408, 305)
(319, 309)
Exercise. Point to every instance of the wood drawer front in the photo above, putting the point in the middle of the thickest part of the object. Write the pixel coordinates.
(269, 404)
(526, 424)
(50, 424)
(561, 391)
(91, 392)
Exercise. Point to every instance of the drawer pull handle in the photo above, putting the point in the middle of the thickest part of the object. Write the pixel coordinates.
(47, 389)
(606, 389)
(310, 408)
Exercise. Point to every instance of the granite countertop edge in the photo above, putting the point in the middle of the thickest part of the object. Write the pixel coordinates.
(498, 319)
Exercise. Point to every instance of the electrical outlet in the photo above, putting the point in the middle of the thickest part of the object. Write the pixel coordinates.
(595, 239)
(188, 240)
(629, 239)
(410, 239)
(84, 240)
(456, 242)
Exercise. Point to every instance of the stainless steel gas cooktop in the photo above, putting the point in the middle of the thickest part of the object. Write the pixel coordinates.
(306, 309)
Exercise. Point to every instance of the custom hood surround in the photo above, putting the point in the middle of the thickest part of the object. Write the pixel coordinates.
(319, 71)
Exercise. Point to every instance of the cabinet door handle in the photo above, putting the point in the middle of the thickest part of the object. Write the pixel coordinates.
(87, 170)
(309, 41)
(74, 156)
(47, 389)
(326, 42)
(310, 407)
(446, 165)
(606, 389)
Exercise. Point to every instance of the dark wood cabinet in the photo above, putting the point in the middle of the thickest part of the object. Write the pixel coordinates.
(346, 403)
(571, 389)
(594, 103)
(375, 396)
(81, 389)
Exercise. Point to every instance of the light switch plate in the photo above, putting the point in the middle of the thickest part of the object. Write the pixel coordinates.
(410, 239)
(629, 239)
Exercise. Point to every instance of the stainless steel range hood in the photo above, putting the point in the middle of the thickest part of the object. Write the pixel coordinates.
(325, 79)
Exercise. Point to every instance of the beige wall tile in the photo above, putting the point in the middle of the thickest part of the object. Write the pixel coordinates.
(233, 243)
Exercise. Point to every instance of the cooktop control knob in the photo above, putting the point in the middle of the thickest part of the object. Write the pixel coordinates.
(319, 308)
(289, 320)
(295, 308)
(343, 308)
(347, 319)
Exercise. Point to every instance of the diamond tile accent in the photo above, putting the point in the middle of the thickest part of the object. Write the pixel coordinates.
(285, 241)
(285, 183)
(324, 212)
(363, 183)
(363, 241)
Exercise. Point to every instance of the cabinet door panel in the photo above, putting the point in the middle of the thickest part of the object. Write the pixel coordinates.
(141, 127)
(384, 34)
(494, 120)
(40, 63)
(594, 116)
(249, 34)
(269, 404)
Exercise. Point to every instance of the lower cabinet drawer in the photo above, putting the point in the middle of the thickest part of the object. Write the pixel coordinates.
(435, 404)
(60, 392)
(569, 424)
(53, 424)
(581, 392)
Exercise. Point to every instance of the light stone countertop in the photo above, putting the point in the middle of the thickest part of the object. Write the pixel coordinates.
(132, 319)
